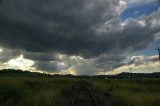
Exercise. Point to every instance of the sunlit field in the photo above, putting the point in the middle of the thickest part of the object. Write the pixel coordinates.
(57, 91)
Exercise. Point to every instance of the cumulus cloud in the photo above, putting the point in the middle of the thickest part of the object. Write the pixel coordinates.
(141, 60)
(7, 54)
(137, 64)
(79, 35)
(18, 62)
(59, 26)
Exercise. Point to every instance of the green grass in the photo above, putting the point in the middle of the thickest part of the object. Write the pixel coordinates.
(33, 91)
(136, 92)
(58, 91)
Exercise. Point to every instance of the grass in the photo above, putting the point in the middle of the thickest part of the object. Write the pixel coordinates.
(58, 91)
(33, 91)
(136, 92)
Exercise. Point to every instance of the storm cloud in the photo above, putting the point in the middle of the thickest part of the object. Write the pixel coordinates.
(91, 29)
(58, 26)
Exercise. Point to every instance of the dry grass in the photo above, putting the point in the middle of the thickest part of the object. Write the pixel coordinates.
(33, 91)
(137, 92)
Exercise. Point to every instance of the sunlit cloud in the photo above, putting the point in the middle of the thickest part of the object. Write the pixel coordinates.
(20, 63)
(1, 50)
(139, 64)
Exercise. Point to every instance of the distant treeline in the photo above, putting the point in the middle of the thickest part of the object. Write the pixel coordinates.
(20, 73)
(139, 75)
(124, 75)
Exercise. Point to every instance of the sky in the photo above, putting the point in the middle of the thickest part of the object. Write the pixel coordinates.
(80, 37)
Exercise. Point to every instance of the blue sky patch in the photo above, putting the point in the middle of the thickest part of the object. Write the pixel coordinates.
(141, 10)
(150, 50)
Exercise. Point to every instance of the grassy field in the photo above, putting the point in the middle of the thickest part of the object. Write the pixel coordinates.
(33, 91)
(136, 92)
(52, 91)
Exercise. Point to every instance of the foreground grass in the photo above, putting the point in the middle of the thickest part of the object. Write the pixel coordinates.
(136, 92)
(33, 91)
(58, 91)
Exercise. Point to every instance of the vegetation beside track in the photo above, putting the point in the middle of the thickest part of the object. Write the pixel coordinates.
(127, 92)
(23, 91)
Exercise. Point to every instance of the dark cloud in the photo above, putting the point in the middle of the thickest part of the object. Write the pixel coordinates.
(52, 66)
(8, 54)
(40, 29)
(40, 56)
(59, 26)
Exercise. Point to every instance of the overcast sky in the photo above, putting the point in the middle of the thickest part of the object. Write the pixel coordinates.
(81, 37)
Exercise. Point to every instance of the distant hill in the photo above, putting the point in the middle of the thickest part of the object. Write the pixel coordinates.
(124, 75)
(138, 75)
(20, 73)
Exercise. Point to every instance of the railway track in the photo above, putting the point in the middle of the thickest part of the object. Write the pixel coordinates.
(84, 96)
